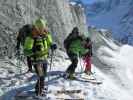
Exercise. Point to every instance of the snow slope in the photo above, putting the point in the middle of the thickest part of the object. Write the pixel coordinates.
(116, 75)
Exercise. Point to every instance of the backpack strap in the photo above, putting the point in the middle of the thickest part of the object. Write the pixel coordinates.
(34, 49)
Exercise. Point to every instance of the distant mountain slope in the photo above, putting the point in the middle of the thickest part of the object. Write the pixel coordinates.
(115, 15)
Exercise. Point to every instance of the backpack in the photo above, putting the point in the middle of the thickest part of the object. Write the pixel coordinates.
(68, 41)
(25, 31)
(37, 46)
(34, 46)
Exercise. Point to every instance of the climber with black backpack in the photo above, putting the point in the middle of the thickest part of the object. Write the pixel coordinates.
(74, 49)
(21, 35)
(36, 46)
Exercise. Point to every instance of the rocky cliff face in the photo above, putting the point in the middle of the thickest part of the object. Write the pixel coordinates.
(60, 15)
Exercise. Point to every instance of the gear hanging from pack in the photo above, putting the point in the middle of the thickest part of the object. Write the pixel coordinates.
(30, 11)
(28, 6)
(41, 8)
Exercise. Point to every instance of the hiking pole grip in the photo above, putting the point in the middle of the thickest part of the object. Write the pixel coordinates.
(53, 47)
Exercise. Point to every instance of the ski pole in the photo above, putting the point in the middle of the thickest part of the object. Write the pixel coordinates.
(18, 61)
(81, 67)
(51, 61)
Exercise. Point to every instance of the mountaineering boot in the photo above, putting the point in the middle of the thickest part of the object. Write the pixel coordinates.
(71, 76)
(29, 63)
(88, 72)
(40, 87)
(36, 88)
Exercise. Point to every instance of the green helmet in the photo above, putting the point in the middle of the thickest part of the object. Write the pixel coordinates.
(40, 23)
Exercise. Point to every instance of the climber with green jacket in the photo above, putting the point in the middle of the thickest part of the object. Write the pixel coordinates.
(36, 46)
(74, 48)
(23, 32)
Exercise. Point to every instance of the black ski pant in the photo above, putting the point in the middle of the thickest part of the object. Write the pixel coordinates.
(29, 63)
(74, 59)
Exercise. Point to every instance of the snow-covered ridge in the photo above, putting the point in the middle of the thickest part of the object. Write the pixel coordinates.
(11, 83)
(112, 65)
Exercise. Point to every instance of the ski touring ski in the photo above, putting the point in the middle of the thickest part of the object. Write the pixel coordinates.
(83, 79)
(77, 94)
(67, 91)
(95, 81)
(90, 78)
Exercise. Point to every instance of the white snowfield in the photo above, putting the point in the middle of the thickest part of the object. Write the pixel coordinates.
(117, 80)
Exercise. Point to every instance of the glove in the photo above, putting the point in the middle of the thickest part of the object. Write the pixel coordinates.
(53, 46)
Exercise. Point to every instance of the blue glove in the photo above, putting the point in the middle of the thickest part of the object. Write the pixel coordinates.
(53, 46)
